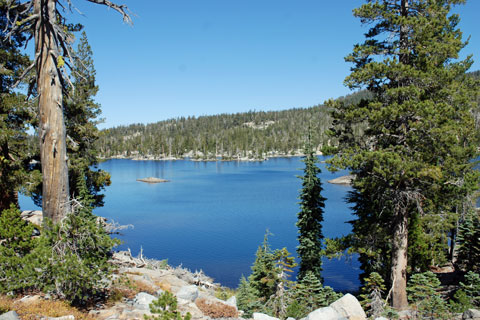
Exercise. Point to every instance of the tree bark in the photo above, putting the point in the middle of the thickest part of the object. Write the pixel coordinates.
(400, 228)
(399, 260)
(53, 155)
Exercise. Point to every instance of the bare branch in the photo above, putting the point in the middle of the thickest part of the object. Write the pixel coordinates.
(26, 71)
(122, 9)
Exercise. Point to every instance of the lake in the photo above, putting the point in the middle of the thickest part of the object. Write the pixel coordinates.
(213, 215)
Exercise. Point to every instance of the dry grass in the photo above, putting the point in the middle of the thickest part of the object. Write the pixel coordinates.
(141, 286)
(164, 286)
(35, 309)
(215, 309)
(124, 287)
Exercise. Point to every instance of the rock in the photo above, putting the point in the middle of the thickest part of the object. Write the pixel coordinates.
(232, 301)
(188, 293)
(10, 315)
(381, 318)
(159, 292)
(326, 313)
(473, 314)
(70, 317)
(349, 307)
(33, 216)
(142, 301)
(406, 314)
(290, 318)
(30, 299)
(345, 180)
(152, 180)
(262, 316)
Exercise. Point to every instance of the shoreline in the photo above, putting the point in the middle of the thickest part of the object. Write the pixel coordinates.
(218, 159)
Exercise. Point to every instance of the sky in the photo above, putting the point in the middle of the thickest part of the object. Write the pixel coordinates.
(205, 57)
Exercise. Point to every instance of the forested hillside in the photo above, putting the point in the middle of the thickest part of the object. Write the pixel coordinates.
(253, 135)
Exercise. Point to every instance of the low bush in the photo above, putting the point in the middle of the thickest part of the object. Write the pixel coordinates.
(48, 308)
(215, 309)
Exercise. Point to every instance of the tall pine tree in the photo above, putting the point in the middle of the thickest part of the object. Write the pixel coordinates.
(81, 119)
(15, 115)
(414, 156)
(310, 217)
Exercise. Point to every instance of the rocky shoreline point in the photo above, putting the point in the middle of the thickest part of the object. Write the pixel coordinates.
(153, 180)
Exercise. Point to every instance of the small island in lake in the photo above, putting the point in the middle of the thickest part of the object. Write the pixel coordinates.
(344, 180)
(153, 180)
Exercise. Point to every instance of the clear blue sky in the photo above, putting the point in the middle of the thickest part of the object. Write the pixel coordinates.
(202, 57)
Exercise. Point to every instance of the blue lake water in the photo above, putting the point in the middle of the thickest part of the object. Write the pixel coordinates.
(213, 215)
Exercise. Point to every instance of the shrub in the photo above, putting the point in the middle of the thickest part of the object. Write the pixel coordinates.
(224, 293)
(16, 244)
(75, 255)
(166, 308)
(215, 309)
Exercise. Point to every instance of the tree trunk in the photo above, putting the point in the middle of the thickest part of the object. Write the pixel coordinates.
(399, 260)
(53, 155)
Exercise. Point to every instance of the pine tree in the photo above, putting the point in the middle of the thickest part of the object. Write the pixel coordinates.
(469, 242)
(415, 154)
(423, 293)
(81, 119)
(52, 45)
(263, 278)
(310, 217)
(372, 295)
(15, 116)
(247, 300)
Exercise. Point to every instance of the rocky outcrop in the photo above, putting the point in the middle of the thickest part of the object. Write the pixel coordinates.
(262, 316)
(142, 301)
(349, 307)
(11, 315)
(471, 314)
(189, 293)
(326, 313)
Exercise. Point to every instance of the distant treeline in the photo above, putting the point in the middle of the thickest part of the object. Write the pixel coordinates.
(253, 134)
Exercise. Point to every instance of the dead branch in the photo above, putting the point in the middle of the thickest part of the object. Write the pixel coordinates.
(122, 9)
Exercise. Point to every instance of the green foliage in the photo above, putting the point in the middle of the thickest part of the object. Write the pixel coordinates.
(284, 264)
(253, 134)
(412, 161)
(372, 295)
(310, 217)
(469, 242)
(74, 253)
(423, 294)
(16, 245)
(309, 294)
(81, 120)
(266, 288)
(166, 308)
(468, 296)
(263, 277)
(247, 299)
(16, 114)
